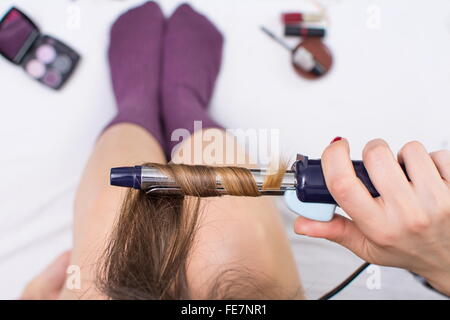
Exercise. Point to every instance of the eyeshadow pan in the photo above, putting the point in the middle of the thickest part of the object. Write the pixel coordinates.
(52, 78)
(35, 68)
(46, 53)
(63, 63)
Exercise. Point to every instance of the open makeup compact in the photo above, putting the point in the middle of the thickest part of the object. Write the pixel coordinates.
(44, 58)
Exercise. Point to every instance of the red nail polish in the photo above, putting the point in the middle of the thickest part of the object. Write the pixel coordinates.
(336, 139)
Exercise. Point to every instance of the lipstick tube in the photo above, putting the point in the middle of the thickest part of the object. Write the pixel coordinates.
(298, 17)
(296, 31)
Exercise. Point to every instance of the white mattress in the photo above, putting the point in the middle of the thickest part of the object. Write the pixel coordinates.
(389, 80)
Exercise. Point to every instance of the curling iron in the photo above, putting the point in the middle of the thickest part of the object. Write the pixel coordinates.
(303, 186)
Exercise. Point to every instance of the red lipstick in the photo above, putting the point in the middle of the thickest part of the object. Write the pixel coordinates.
(298, 17)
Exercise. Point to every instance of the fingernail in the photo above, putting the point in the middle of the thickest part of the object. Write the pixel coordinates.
(336, 139)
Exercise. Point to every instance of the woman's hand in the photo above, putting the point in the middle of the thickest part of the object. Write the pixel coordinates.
(408, 226)
(49, 283)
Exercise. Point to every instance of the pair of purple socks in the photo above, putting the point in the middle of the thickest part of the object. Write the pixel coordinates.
(164, 71)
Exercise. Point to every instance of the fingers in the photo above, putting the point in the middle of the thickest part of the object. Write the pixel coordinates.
(442, 161)
(48, 284)
(340, 230)
(346, 188)
(55, 274)
(420, 166)
(385, 172)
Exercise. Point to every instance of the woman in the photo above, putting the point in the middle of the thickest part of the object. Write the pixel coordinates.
(229, 245)
(163, 74)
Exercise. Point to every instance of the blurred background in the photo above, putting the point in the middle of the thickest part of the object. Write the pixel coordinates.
(390, 79)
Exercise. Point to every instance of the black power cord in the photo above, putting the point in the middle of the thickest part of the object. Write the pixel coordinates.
(344, 283)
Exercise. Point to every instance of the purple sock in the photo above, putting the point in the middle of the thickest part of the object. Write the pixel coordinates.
(135, 53)
(192, 58)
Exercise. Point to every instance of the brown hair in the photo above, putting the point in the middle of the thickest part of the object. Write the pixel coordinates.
(146, 257)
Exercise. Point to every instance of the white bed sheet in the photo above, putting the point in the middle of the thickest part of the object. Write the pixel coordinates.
(391, 82)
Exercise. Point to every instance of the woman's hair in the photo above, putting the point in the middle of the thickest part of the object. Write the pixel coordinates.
(147, 254)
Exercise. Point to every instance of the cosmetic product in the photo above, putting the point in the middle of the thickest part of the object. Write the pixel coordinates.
(277, 39)
(298, 31)
(311, 59)
(305, 60)
(43, 57)
(298, 17)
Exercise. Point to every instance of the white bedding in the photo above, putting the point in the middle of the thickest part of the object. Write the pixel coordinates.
(391, 82)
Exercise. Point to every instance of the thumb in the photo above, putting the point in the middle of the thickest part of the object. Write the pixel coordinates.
(340, 230)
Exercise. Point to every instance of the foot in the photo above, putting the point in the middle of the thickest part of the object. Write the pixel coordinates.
(135, 60)
(192, 58)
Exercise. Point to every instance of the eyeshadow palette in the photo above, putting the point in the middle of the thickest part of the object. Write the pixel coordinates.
(44, 58)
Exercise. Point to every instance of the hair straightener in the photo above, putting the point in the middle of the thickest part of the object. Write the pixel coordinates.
(303, 187)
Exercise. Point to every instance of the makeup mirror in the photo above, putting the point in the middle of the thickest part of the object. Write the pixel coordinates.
(17, 35)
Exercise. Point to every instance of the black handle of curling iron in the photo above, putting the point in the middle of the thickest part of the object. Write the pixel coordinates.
(311, 186)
